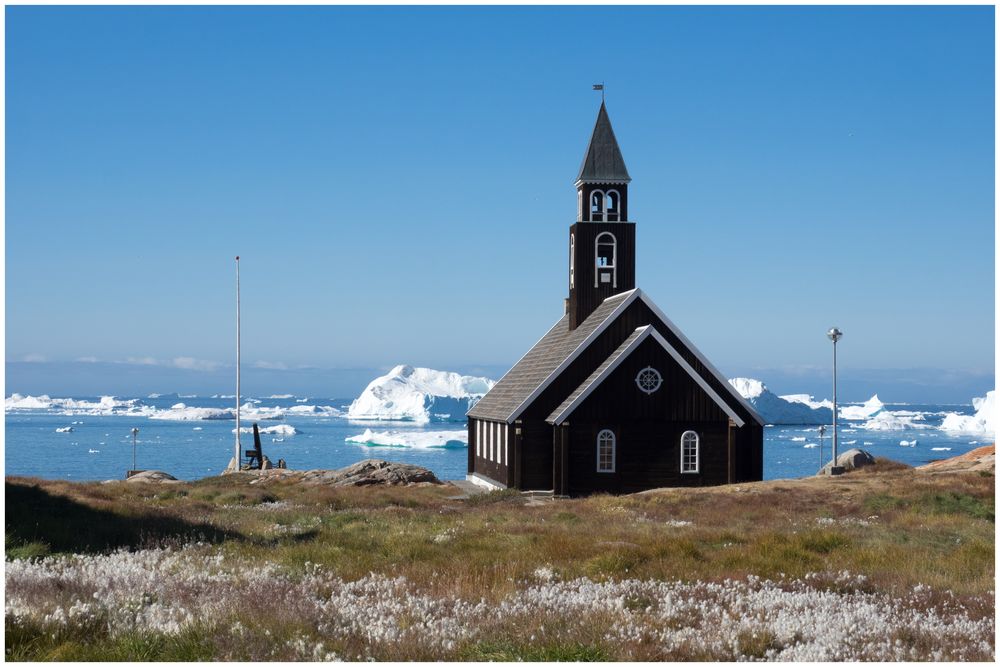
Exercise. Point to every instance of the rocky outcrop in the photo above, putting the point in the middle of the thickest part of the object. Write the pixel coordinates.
(852, 459)
(370, 472)
(979, 459)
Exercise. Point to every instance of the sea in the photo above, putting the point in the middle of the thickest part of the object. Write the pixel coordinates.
(91, 438)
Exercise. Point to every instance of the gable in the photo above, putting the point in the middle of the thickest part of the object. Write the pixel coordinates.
(562, 360)
(682, 394)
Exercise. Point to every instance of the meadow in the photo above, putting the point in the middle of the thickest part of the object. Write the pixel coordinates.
(885, 563)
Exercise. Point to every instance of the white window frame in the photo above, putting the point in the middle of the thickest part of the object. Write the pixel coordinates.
(503, 444)
(697, 453)
(493, 437)
(614, 449)
(614, 259)
(590, 206)
(618, 209)
(479, 438)
(572, 259)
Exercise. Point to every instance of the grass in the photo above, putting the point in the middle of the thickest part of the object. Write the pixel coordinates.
(897, 527)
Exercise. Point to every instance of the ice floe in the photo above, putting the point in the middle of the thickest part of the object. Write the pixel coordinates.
(776, 409)
(419, 394)
(418, 439)
(64, 429)
(894, 421)
(277, 429)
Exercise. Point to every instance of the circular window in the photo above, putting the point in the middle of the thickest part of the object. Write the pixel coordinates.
(649, 379)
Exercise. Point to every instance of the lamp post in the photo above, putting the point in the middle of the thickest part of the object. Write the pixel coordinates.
(822, 432)
(834, 334)
(135, 432)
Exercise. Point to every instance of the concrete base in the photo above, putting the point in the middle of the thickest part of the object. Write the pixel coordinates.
(837, 470)
(486, 482)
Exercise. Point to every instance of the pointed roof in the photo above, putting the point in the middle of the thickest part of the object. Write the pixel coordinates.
(603, 162)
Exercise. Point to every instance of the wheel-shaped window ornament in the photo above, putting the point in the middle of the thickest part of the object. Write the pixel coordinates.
(649, 380)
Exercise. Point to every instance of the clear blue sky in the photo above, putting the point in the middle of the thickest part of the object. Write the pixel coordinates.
(399, 180)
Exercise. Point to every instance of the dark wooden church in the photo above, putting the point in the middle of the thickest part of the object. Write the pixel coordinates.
(614, 397)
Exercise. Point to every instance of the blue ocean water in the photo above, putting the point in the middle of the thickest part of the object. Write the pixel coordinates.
(99, 447)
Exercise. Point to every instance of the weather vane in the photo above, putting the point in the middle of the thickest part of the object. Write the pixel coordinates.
(600, 87)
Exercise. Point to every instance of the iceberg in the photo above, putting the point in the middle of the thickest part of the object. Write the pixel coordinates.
(866, 410)
(419, 394)
(419, 439)
(776, 409)
(808, 399)
(19, 402)
(64, 429)
(984, 421)
(181, 412)
(894, 421)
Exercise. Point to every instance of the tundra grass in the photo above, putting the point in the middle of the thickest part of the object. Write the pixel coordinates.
(894, 530)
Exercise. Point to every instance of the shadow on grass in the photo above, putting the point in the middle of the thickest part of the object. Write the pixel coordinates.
(38, 522)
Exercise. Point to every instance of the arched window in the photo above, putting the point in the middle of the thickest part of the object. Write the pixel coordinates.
(611, 205)
(606, 451)
(572, 259)
(605, 256)
(596, 206)
(689, 452)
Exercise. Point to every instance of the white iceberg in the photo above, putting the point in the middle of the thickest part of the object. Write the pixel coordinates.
(19, 402)
(808, 399)
(277, 429)
(778, 410)
(181, 412)
(894, 421)
(868, 409)
(984, 421)
(419, 439)
(418, 394)
(64, 429)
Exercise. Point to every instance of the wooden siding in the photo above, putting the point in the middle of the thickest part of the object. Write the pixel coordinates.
(489, 449)
(647, 428)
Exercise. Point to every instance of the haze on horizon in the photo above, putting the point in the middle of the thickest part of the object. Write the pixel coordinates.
(793, 168)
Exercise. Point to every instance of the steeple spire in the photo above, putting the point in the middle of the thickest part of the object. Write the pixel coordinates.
(603, 162)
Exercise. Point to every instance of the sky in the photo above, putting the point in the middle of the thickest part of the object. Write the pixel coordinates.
(399, 185)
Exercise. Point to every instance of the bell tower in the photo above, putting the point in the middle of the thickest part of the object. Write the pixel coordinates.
(602, 240)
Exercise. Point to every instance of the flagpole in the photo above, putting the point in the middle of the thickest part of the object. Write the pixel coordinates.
(237, 445)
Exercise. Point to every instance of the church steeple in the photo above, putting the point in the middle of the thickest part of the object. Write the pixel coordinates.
(602, 242)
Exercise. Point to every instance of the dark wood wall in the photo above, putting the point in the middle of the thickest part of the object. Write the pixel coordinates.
(584, 298)
(491, 460)
(648, 429)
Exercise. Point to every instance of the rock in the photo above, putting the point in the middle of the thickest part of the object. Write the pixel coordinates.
(852, 459)
(157, 476)
(369, 472)
(980, 459)
(266, 463)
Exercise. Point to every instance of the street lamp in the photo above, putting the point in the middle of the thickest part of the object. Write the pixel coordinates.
(834, 334)
(822, 432)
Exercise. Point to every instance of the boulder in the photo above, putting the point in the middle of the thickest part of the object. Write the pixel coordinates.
(157, 476)
(852, 459)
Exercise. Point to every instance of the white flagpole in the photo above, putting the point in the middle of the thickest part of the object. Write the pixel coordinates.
(238, 450)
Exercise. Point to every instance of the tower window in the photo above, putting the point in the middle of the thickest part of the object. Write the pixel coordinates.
(606, 451)
(611, 204)
(596, 206)
(689, 452)
(572, 260)
(605, 255)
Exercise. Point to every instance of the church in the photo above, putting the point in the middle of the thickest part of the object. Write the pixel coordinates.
(614, 397)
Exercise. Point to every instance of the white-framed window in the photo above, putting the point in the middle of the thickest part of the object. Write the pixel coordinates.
(597, 206)
(579, 205)
(479, 438)
(606, 451)
(649, 380)
(605, 258)
(612, 205)
(689, 452)
(493, 441)
(572, 259)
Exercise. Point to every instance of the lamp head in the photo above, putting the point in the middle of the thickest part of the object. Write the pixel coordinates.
(834, 334)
